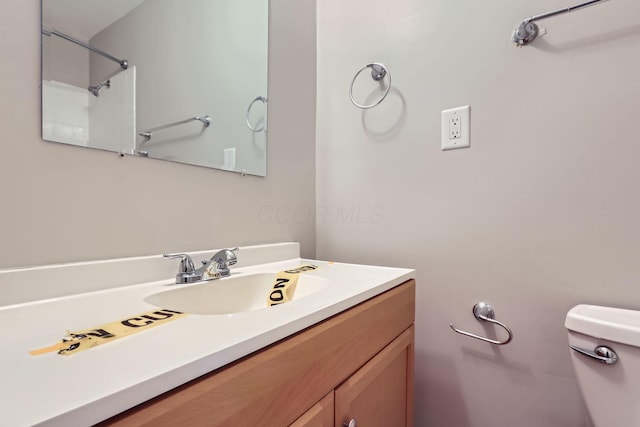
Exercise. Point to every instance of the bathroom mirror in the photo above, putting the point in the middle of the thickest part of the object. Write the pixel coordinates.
(179, 80)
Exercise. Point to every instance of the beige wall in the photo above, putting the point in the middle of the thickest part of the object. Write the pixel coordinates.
(541, 213)
(62, 203)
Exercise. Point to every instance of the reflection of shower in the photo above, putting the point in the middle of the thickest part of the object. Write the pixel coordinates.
(95, 90)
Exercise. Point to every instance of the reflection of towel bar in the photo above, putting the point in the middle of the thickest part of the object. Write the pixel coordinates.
(206, 121)
(484, 312)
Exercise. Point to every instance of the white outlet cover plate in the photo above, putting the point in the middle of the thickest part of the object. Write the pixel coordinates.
(229, 159)
(463, 141)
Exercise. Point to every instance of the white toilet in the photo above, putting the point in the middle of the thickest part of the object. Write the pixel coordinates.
(606, 358)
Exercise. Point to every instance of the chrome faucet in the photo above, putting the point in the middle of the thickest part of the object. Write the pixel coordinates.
(214, 268)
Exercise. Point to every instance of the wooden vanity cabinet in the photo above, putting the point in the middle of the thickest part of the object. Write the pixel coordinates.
(378, 394)
(355, 365)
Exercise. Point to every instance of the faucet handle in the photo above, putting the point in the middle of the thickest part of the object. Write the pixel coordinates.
(186, 263)
(227, 256)
(232, 258)
(221, 261)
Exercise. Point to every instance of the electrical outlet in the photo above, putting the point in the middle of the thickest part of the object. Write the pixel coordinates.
(455, 128)
(229, 159)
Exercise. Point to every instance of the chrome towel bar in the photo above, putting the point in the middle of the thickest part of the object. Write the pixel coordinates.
(483, 311)
(527, 31)
(206, 121)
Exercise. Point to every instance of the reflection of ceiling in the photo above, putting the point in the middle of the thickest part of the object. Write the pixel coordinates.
(84, 18)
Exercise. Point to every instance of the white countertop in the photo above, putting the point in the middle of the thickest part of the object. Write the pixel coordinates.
(95, 384)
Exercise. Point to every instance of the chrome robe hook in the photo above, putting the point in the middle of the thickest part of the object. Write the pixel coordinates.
(483, 311)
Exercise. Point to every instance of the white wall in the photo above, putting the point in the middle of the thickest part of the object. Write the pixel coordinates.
(65, 113)
(62, 203)
(112, 114)
(541, 213)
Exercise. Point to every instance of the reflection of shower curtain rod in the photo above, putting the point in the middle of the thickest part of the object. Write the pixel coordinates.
(123, 62)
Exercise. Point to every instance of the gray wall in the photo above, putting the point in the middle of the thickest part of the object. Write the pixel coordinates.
(541, 213)
(65, 62)
(63, 203)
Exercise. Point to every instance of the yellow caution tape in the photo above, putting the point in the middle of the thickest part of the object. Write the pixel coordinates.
(56, 347)
(75, 342)
(285, 284)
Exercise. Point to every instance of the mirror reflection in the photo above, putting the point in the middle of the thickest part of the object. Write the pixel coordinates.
(184, 81)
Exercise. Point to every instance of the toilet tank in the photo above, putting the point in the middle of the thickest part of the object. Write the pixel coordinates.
(611, 392)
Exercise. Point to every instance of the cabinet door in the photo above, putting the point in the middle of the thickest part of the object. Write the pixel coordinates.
(320, 414)
(380, 394)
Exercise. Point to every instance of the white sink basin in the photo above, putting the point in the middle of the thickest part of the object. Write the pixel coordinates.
(235, 294)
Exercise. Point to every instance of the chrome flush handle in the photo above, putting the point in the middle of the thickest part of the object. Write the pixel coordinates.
(601, 354)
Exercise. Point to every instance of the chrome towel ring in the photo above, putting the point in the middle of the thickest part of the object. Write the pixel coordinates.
(264, 101)
(483, 311)
(378, 72)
